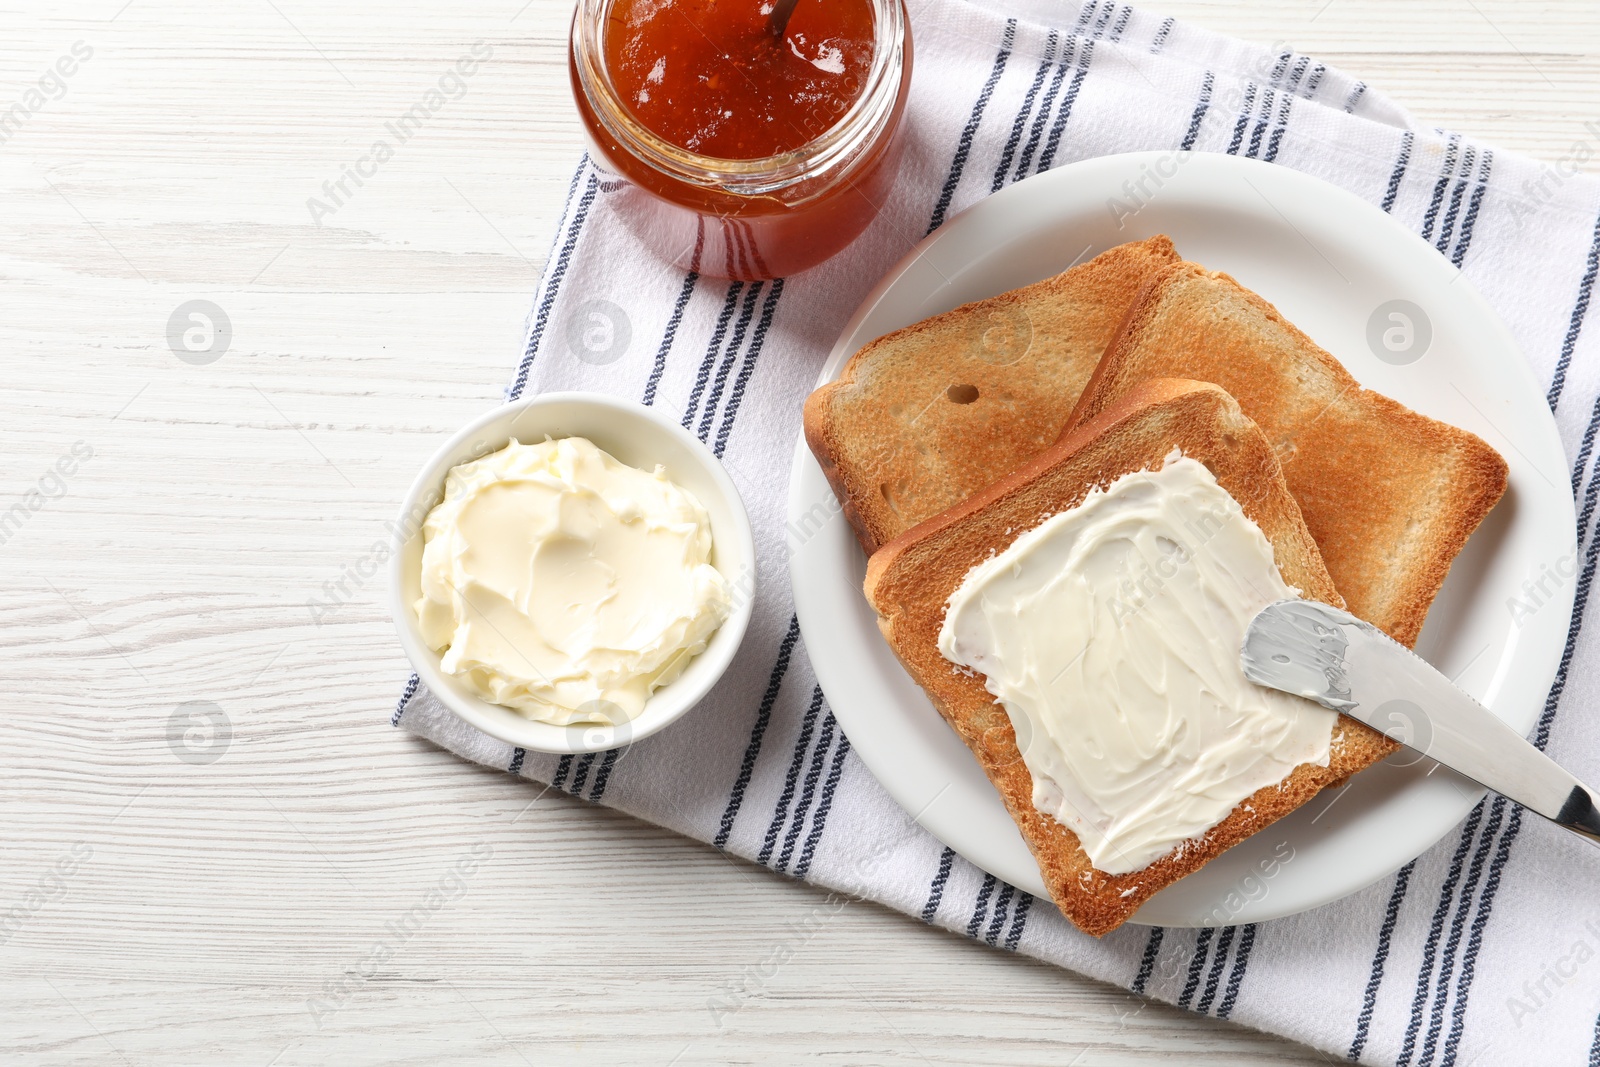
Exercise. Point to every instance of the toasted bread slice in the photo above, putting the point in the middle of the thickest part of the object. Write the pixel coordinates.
(1389, 495)
(924, 417)
(910, 579)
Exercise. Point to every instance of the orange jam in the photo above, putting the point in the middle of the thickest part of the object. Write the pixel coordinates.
(711, 76)
(747, 154)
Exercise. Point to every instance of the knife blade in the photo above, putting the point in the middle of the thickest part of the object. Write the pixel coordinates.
(1350, 666)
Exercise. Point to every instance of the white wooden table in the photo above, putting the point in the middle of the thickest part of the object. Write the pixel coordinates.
(154, 910)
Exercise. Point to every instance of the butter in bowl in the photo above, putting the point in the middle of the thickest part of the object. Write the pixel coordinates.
(572, 572)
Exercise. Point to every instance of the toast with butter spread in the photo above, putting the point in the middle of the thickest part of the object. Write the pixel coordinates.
(1389, 495)
(924, 417)
(911, 580)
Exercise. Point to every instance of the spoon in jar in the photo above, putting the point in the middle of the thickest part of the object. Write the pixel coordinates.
(781, 10)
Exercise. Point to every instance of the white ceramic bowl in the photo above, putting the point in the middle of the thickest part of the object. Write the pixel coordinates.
(640, 437)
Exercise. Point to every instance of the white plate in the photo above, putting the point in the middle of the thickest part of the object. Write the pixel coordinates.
(1328, 260)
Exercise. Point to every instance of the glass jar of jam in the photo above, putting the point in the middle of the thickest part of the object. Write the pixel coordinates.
(748, 154)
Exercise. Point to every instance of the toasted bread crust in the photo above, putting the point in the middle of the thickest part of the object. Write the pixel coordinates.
(909, 581)
(921, 418)
(1390, 495)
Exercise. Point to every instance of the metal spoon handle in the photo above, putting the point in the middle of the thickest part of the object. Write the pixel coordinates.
(781, 10)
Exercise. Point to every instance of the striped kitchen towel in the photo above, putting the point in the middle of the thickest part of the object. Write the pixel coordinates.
(1484, 950)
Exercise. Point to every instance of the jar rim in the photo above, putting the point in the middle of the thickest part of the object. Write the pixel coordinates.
(860, 125)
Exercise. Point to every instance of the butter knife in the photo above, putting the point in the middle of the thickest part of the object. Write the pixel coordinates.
(1344, 664)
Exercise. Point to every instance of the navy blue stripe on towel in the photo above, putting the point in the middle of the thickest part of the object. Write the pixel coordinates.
(947, 859)
(1541, 736)
(1468, 159)
(1263, 119)
(1481, 186)
(1219, 960)
(1315, 81)
(1586, 512)
(1099, 23)
(1001, 905)
(964, 143)
(730, 357)
(1430, 949)
(1582, 464)
(1042, 118)
(405, 698)
(1122, 23)
(1581, 598)
(1445, 175)
(1019, 921)
(1241, 963)
(1200, 109)
(1406, 140)
(730, 303)
(1243, 121)
(1268, 97)
(602, 777)
(780, 811)
(1009, 152)
(757, 343)
(667, 337)
(981, 908)
(808, 791)
(563, 768)
(1380, 957)
(1152, 949)
(1469, 962)
(580, 775)
(824, 806)
(1458, 923)
(1280, 126)
(552, 284)
(1197, 964)
(1160, 40)
(1047, 158)
(1281, 122)
(1575, 324)
(758, 731)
